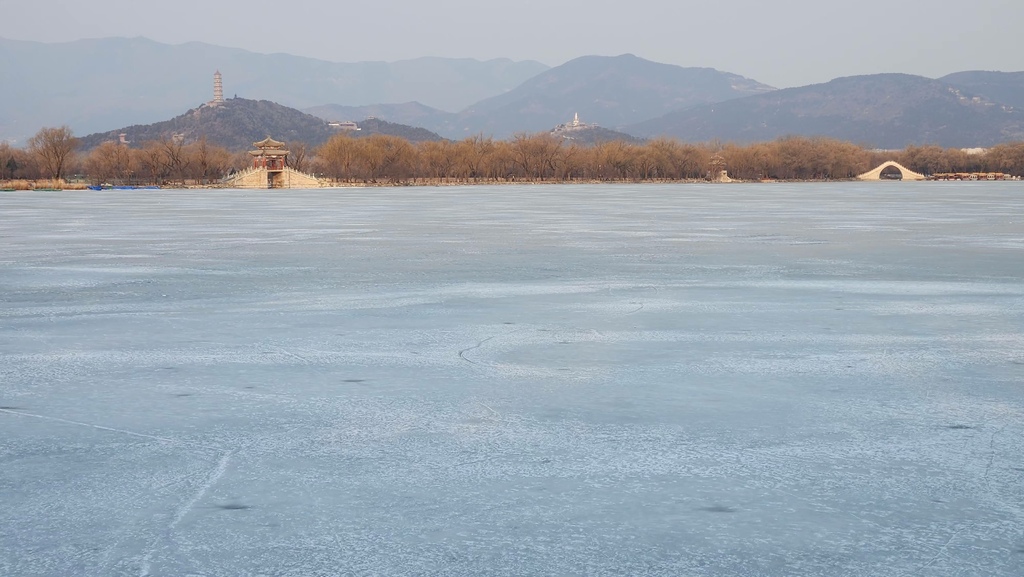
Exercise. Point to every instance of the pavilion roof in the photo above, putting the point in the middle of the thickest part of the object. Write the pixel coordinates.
(268, 143)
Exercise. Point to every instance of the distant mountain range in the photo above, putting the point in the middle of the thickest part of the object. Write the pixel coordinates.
(608, 91)
(880, 111)
(97, 84)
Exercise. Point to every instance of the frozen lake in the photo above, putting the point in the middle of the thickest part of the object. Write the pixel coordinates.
(677, 380)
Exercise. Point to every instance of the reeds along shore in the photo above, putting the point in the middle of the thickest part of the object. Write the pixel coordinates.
(46, 186)
(381, 160)
(51, 185)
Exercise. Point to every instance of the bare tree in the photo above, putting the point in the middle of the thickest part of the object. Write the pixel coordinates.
(176, 157)
(668, 157)
(616, 158)
(569, 161)
(500, 161)
(8, 162)
(1008, 157)
(151, 161)
(53, 149)
(646, 162)
(108, 161)
(472, 156)
(338, 157)
(439, 158)
(206, 161)
(298, 155)
(389, 157)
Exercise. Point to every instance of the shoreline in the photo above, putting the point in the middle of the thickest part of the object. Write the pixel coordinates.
(51, 186)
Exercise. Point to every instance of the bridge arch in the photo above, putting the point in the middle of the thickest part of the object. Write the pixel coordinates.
(876, 174)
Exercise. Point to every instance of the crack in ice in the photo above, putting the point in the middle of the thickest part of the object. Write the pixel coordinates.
(93, 426)
(462, 353)
(183, 511)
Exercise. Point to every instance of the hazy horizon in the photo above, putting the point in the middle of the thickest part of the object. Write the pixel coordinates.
(785, 44)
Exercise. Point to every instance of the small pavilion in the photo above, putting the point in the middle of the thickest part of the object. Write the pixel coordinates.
(269, 154)
(270, 169)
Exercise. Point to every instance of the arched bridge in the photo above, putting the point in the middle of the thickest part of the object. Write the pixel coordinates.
(876, 174)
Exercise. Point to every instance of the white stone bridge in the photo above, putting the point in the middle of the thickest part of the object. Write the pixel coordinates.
(876, 174)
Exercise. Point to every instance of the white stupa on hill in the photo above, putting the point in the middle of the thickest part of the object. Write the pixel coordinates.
(574, 125)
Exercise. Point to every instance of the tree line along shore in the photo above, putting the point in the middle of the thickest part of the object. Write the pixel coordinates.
(52, 160)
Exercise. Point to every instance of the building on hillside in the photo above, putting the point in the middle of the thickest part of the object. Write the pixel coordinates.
(574, 125)
(344, 125)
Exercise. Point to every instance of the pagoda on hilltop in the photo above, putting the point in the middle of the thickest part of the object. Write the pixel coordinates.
(218, 90)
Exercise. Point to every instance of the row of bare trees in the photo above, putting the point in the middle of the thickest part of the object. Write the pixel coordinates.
(545, 157)
(159, 162)
(539, 157)
(51, 154)
(533, 158)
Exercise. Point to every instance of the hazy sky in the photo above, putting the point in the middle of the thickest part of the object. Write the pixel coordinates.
(783, 42)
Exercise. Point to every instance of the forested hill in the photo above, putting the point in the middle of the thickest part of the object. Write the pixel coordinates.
(1002, 87)
(239, 122)
(372, 126)
(594, 135)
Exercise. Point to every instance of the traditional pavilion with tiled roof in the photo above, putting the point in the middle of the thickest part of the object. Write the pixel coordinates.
(270, 169)
(269, 154)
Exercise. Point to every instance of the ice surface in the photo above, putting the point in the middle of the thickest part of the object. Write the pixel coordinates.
(774, 380)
